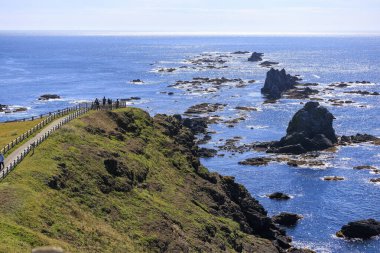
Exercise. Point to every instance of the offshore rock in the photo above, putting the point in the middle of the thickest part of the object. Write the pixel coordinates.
(279, 196)
(286, 219)
(362, 229)
(310, 129)
(49, 97)
(256, 57)
(277, 82)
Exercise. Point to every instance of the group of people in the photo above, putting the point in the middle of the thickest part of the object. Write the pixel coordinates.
(106, 103)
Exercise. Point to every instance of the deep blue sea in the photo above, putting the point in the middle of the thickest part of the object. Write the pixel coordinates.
(80, 68)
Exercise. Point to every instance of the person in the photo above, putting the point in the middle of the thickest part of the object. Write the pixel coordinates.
(33, 146)
(110, 103)
(104, 101)
(1, 161)
(117, 103)
(97, 105)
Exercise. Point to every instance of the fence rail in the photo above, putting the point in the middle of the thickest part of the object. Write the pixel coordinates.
(73, 113)
(51, 116)
(42, 138)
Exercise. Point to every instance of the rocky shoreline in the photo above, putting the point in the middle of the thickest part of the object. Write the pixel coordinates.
(9, 109)
(249, 213)
(309, 135)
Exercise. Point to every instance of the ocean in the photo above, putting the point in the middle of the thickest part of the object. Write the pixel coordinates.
(81, 68)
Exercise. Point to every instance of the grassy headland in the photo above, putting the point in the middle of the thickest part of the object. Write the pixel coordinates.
(125, 182)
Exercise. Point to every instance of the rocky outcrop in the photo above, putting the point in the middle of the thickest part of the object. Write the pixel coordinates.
(204, 108)
(365, 167)
(363, 93)
(256, 57)
(230, 199)
(286, 219)
(333, 178)
(279, 196)
(250, 214)
(196, 125)
(268, 64)
(137, 81)
(358, 138)
(167, 70)
(300, 93)
(295, 250)
(277, 82)
(207, 152)
(362, 229)
(311, 128)
(8, 109)
(49, 97)
(258, 161)
(240, 52)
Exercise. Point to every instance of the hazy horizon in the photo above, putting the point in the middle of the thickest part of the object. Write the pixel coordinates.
(143, 33)
(193, 17)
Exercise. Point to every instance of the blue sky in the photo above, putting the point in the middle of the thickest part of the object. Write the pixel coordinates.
(193, 16)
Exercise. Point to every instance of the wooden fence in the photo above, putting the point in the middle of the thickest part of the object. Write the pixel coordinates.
(75, 111)
(29, 148)
(51, 116)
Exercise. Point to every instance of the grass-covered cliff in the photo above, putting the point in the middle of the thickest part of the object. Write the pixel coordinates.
(125, 182)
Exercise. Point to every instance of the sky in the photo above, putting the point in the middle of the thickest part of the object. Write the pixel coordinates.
(193, 16)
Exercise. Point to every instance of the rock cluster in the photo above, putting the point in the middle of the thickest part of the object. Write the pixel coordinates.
(279, 196)
(256, 57)
(49, 97)
(300, 93)
(286, 219)
(277, 82)
(231, 199)
(207, 152)
(333, 178)
(204, 108)
(137, 81)
(268, 64)
(358, 138)
(362, 229)
(256, 161)
(240, 52)
(311, 128)
(363, 93)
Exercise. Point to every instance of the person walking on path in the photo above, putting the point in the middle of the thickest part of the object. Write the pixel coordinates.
(32, 146)
(1, 161)
(117, 103)
(109, 104)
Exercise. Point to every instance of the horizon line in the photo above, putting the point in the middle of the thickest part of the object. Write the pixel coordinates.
(145, 33)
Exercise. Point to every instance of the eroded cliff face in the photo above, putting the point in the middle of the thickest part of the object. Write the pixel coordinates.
(222, 194)
(124, 181)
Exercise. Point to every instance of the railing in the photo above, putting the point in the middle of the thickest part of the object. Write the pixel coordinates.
(36, 117)
(51, 116)
(77, 111)
(29, 148)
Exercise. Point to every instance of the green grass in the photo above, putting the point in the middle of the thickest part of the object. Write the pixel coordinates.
(86, 216)
(10, 131)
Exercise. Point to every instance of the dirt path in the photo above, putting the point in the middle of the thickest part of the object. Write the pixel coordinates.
(13, 156)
